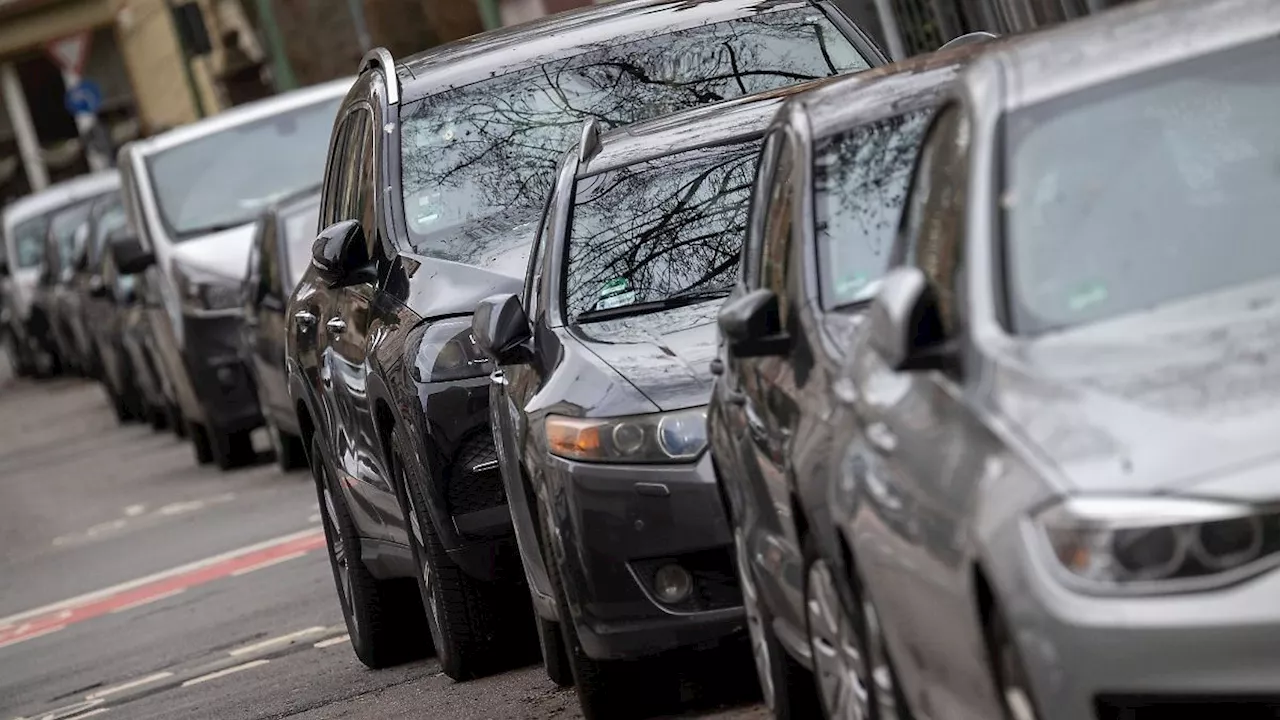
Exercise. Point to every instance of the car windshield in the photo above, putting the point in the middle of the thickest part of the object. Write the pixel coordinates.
(1148, 190)
(860, 180)
(202, 186)
(28, 240)
(299, 236)
(487, 151)
(650, 232)
(62, 229)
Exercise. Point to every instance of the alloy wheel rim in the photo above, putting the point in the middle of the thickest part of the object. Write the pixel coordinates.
(338, 550)
(755, 623)
(838, 661)
(415, 525)
(886, 695)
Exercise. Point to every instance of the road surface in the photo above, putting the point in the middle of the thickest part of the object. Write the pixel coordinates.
(134, 584)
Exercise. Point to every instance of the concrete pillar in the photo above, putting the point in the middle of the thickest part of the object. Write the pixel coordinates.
(24, 130)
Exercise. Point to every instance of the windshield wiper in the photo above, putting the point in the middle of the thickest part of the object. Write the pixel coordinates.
(681, 299)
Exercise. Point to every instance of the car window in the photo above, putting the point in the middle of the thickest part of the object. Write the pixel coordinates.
(860, 180)
(647, 232)
(62, 232)
(268, 259)
(775, 254)
(1147, 190)
(759, 210)
(28, 240)
(108, 215)
(479, 159)
(533, 277)
(299, 235)
(202, 185)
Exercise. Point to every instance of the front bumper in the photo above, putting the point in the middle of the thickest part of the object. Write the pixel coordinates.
(1102, 657)
(219, 379)
(617, 525)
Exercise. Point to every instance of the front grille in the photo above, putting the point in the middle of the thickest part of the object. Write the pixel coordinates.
(1166, 707)
(474, 481)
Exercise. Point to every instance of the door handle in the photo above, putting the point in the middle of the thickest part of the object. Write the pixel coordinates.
(881, 437)
(336, 325)
(305, 319)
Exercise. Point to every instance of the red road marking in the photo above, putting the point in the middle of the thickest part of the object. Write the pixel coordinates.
(55, 620)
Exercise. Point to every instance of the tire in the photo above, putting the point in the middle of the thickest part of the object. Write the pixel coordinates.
(786, 687)
(158, 417)
(554, 656)
(201, 443)
(478, 628)
(606, 689)
(384, 619)
(232, 449)
(289, 451)
(119, 406)
(1012, 684)
(179, 424)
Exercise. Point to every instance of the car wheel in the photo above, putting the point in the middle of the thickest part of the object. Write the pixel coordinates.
(475, 625)
(232, 449)
(288, 449)
(200, 442)
(384, 618)
(120, 406)
(1011, 679)
(23, 366)
(554, 656)
(158, 417)
(177, 423)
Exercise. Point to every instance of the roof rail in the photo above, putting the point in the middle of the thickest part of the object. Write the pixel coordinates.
(589, 143)
(381, 57)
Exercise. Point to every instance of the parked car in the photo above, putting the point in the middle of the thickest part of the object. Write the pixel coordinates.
(29, 334)
(1057, 489)
(139, 294)
(280, 253)
(828, 198)
(438, 168)
(600, 394)
(70, 291)
(193, 194)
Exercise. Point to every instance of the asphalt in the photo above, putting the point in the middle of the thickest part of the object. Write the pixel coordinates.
(135, 584)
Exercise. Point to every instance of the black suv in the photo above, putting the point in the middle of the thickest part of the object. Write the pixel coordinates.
(438, 169)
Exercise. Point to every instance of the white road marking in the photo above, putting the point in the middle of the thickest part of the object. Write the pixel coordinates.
(148, 600)
(224, 673)
(24, 638)
(283, 639)
(332, 641)
(68, 710)
(91, 713)
(269, 563)
(135, 510)
(314, 518)
(157, 677)
(105, 592)
(180, 507)
(106, 526)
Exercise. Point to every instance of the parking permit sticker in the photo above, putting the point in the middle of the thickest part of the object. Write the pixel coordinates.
(1087, 296)
(614, 286)
(618, 300)
(849, 286)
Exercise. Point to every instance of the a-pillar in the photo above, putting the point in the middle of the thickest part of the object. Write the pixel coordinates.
(24, 129)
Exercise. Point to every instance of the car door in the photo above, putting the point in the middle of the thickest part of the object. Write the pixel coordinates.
(348, 326)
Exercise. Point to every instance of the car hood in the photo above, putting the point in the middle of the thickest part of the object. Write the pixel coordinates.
(496, 262)
(225, 253)
(1185, 395)
(665, 355)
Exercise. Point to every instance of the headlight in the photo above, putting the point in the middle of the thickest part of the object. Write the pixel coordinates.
(203, 291)
(661, 437)
(1159, 544)
(448, 351)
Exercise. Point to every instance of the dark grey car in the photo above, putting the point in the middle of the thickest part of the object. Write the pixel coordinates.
(599, 403)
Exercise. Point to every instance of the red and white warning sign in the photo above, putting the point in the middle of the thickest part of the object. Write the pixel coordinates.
(70, 52)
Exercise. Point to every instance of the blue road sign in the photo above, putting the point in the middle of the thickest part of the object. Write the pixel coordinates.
(84, 98)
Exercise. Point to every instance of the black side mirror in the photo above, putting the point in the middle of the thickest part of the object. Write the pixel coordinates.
(752, 325)
(904, 324)
(339, 249)
(502, 329)
(972, 38)
(131, 258)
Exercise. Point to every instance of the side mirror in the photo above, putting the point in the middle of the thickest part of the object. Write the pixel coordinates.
(131, 258)
(972, 38)
(338, 250)
(502, 329)
(752, 326)
(904, 326)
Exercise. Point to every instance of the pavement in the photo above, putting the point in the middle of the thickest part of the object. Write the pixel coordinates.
(135, 584)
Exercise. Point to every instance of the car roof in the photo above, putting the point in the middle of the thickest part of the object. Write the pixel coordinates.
(61, 194)
(242, 114)
(723, 122)
(1123, 41)
(498, 52)
(901, 87)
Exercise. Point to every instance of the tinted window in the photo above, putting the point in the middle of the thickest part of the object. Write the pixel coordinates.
(62, 230)
(299, 235)
(1149, 190)
(860, 180)
(479, 159)
(28, 240)
(656, 229)
(227, 178)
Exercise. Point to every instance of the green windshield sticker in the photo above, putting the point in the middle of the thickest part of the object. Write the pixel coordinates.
(850, 285)
(616, 300)
(1087, 296)
(615, 286)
